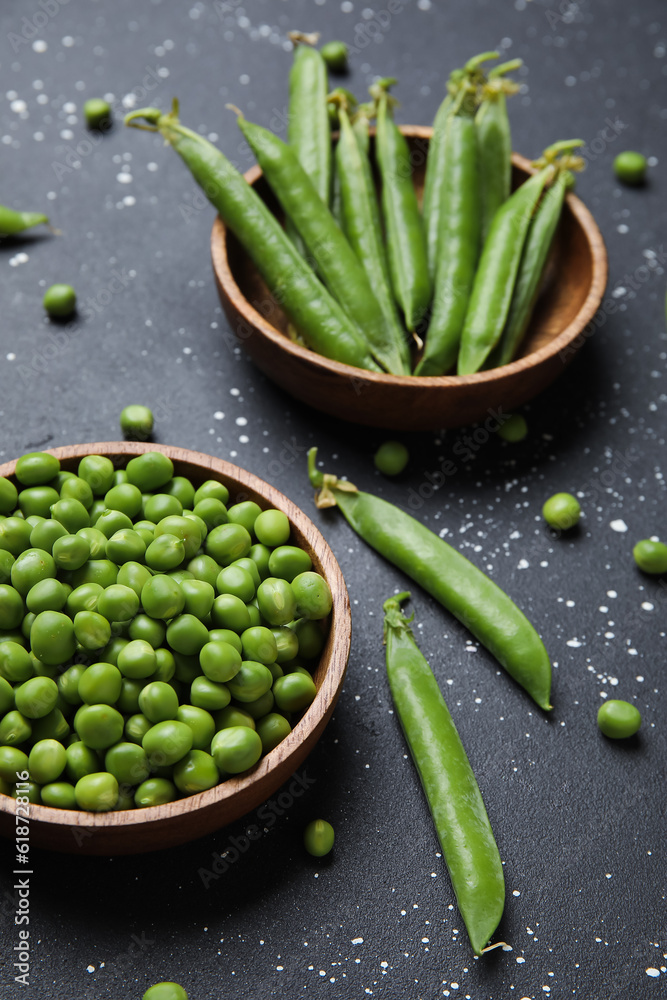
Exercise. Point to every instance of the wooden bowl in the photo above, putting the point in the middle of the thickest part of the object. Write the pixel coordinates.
(573, 290)
(140, 830)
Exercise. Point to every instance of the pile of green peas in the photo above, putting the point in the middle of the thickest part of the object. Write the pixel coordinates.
(154, 637)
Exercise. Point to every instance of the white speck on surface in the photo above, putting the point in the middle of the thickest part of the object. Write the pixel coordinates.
(91, 968)
(357, 940)
(516, 893)
(612, 593)
(218, 415)
(241, 421)
(18, 258)
(654, 973)
(574, 643)
(520, 960)
(39, 46)
(523, 564)
(618, 525)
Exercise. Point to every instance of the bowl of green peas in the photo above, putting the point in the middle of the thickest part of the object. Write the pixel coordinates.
(570, 294)
(174, 634)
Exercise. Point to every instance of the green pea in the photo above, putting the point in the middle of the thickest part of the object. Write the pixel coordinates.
(47, 761)
(100, 684)
(8, 496)
(562, 511)
(96, 792)
(162, 505)
(167, 742)
(212, 488)
(81, 760)
(13, 761)
(235, 749)
(46, 595)
(137, 659)
(59, 301)
(212, 512)
(111, 521)
(200, 722)
(128, 763)
(208, 694)
(288, 561)
(68, 684)
(166, 665)
(112, 651)
(83, 598)
(186, 634)
(272, 528)
(12, 608)
(651, 556)
(100, 571)
(53, 726)
(14, 635)
(258, 643)
(37, 468)
(198, 596)
(237, 581)
(165, 552)
(260, 706)
(136, 422)
(179, 575)
(99, 726)
(30, 567)
(225, 635)
(630, 167)
(75, 488)
(98, 471)
(158, 701)
(204, 568)
(36, 697)
(71, 514)
(391, 458)
(151, 630)
(97, 114)
(37, 501)
(128, 699)
(276, 601)
(260, 555)
(154, 792)
(245, 513)
(185, 528)
(6, 696)
(186, 669)
(227, 543)
(196, 772)
(136, 727)
(310, 637)
(59, 795)
(118, 603)
(44, 534)
(335, 56)
(32, 792)
(125, 545)
(26, 624)
(14, 728)
(135, 576)
(233, 715)
(165, 991)
(97, 541)
(124, 498)
(272, 730)
(92, 631)
(251, 682)
(220, 661)
(313, 596)
(52, 637)
(230, 612)
(618, 719)
(14, 535)
(182, 489)
(149, 471)
(513, 428)
(318, 838)
(6, 563)
(294, 691)
(71, 552)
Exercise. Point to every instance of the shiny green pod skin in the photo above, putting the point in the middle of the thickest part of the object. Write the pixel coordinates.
(463, 589)
(13, 222)
(455, 801)
(494, 143)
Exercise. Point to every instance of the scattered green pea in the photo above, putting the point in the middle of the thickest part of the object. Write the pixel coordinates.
(97, 113)
(136, 422)
(391, 458)
(318, 838)
(562, 511)
(59, 301)
(335, 56)
(618, 719)
(650, 556)
(630, 167)
(165, 991)
(513, 428)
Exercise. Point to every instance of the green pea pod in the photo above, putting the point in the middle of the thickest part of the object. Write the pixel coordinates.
(339, 97)
(406, 241)
(458, 247)
(494, 142)
(308, 126)
(360, 217)
(449, 577)
(306, 302)
(12, 222)
(336, 261)
(497, 272)
(455, 801)
(531, 270)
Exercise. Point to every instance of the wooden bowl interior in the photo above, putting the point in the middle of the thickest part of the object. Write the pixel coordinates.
(134, 831)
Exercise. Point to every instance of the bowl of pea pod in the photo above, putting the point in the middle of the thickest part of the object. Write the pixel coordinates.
(174, 634)
(405, 276)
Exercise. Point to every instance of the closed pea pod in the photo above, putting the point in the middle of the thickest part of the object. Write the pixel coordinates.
(448, 576)
(12, 222)
(453, 795)
(494, 142)
(406, 241)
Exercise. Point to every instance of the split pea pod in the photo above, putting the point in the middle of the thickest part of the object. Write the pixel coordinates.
(499, 265)
(308, 126)
(301, 294)
(336, 261)
(360, 218)
(494, 141)
(404, 227)
(463, 589)
(455, 801)
(13, 222)
(531, 270)
(459, 239)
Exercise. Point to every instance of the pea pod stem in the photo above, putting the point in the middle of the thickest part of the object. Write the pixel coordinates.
(455, 801)
(337, 262)
(463, 589)
(308, 305)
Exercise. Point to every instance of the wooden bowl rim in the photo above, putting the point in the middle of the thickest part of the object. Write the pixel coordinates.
(335, 668)
(587, 311)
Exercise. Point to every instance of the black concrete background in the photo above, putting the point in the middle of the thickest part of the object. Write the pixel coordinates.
(579, 820)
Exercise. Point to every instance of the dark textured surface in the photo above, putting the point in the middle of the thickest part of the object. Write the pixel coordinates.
(579, 820)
